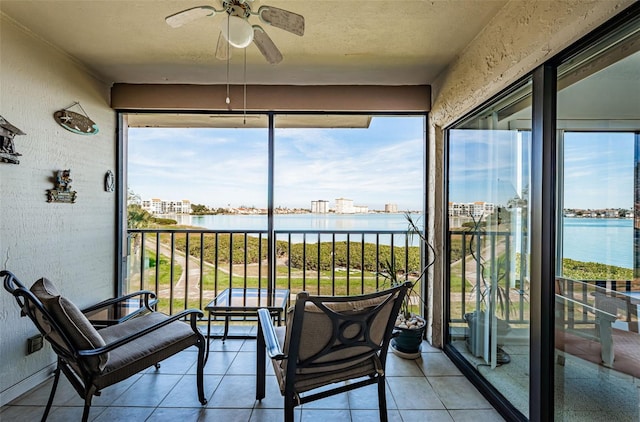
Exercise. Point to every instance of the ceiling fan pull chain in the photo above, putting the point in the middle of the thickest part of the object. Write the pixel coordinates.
(245, 87)
(228, 100)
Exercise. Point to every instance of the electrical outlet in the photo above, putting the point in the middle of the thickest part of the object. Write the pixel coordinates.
(34, 343)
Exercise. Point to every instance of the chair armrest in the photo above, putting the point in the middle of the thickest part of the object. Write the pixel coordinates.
(194, 314)
(146, 293)
(269, 333)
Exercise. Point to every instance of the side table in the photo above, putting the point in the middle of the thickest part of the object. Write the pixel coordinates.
(240, 302)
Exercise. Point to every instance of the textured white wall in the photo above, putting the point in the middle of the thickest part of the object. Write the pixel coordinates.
(72, 244)
(522, 36)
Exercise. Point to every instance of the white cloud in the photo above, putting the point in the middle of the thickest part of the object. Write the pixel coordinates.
(220, 167)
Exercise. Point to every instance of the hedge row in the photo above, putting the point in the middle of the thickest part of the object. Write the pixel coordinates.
(232, 247)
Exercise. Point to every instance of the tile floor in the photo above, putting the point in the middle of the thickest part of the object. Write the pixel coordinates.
(427, 389)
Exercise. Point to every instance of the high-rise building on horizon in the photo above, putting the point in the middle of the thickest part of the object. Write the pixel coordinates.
(390, 208)
(344, 206)
(320, 206)
(158, 206)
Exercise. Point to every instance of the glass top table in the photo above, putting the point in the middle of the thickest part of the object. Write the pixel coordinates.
(241, 302)
(118, 312)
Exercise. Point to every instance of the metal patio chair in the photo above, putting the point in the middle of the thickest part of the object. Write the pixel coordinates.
(329, 340)
(95, 359)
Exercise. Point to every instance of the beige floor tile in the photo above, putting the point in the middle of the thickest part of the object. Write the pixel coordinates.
(148, 391)
(171, 393)
(458, 393)
(428, 416)
(485, 415)
(414, 393)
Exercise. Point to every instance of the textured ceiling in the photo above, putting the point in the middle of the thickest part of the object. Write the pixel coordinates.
(345, 42)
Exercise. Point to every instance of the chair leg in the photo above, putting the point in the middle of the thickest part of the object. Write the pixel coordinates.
(288, 409)
(56, 378)
(260, 364)
(200, 372)
(87, 405)
(382, 399)
(85, 412)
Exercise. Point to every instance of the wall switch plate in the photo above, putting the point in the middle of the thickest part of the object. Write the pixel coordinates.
(34, 343)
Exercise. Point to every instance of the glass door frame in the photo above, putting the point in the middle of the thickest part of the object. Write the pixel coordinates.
(488, 389)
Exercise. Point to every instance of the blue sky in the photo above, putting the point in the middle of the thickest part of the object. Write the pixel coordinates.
(484, 166)
(222, 167)
(374, 166)
(598, 168)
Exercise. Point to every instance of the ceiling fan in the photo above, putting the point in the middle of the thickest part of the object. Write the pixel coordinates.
(236, 31)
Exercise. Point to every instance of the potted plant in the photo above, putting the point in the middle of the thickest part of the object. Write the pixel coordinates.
(409, 326)
(492, 298)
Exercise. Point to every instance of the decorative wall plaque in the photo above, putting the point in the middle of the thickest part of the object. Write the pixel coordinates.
(109, 181)
(62, 191)
(8, 152)
(76, 122)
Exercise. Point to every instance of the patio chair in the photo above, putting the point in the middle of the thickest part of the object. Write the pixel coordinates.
(329, 340)
(94, 359)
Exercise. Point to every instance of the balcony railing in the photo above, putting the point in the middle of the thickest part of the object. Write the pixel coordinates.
(494, 264)
(485, 271)
(187, 268)
(321, 262)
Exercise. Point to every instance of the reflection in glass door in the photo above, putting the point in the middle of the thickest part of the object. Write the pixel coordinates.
(489, 176)
(596, 295)
(597, 289)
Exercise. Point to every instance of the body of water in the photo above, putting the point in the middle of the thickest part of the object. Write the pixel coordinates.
(329, 222)
(395, 221)
(604, 240)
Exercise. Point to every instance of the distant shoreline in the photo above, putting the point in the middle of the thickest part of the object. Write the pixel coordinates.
(598, 217)
(286, 212)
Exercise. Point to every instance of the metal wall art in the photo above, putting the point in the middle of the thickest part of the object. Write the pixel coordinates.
(8, 152)
(62, 191)
(109, 181)
(74, 122)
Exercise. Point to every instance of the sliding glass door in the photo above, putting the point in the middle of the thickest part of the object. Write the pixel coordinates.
(597, 286)
(489, 161)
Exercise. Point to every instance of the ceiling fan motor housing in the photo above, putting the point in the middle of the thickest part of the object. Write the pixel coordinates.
(240, 8)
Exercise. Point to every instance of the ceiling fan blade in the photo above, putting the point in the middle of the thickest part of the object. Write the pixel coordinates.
(223, 49)
(282, 19)
(266, 45)
(189, 15)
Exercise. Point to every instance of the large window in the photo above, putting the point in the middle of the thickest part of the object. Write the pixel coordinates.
(358, 166)
(303, 201)
(217, 169)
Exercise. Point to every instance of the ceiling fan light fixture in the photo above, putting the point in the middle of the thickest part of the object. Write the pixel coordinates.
(237, 31)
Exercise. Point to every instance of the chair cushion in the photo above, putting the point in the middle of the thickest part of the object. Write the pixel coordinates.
(306, 381)
(72, 321)
(318, 330)
(147, 349)
(347, 306)
(318, 327)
